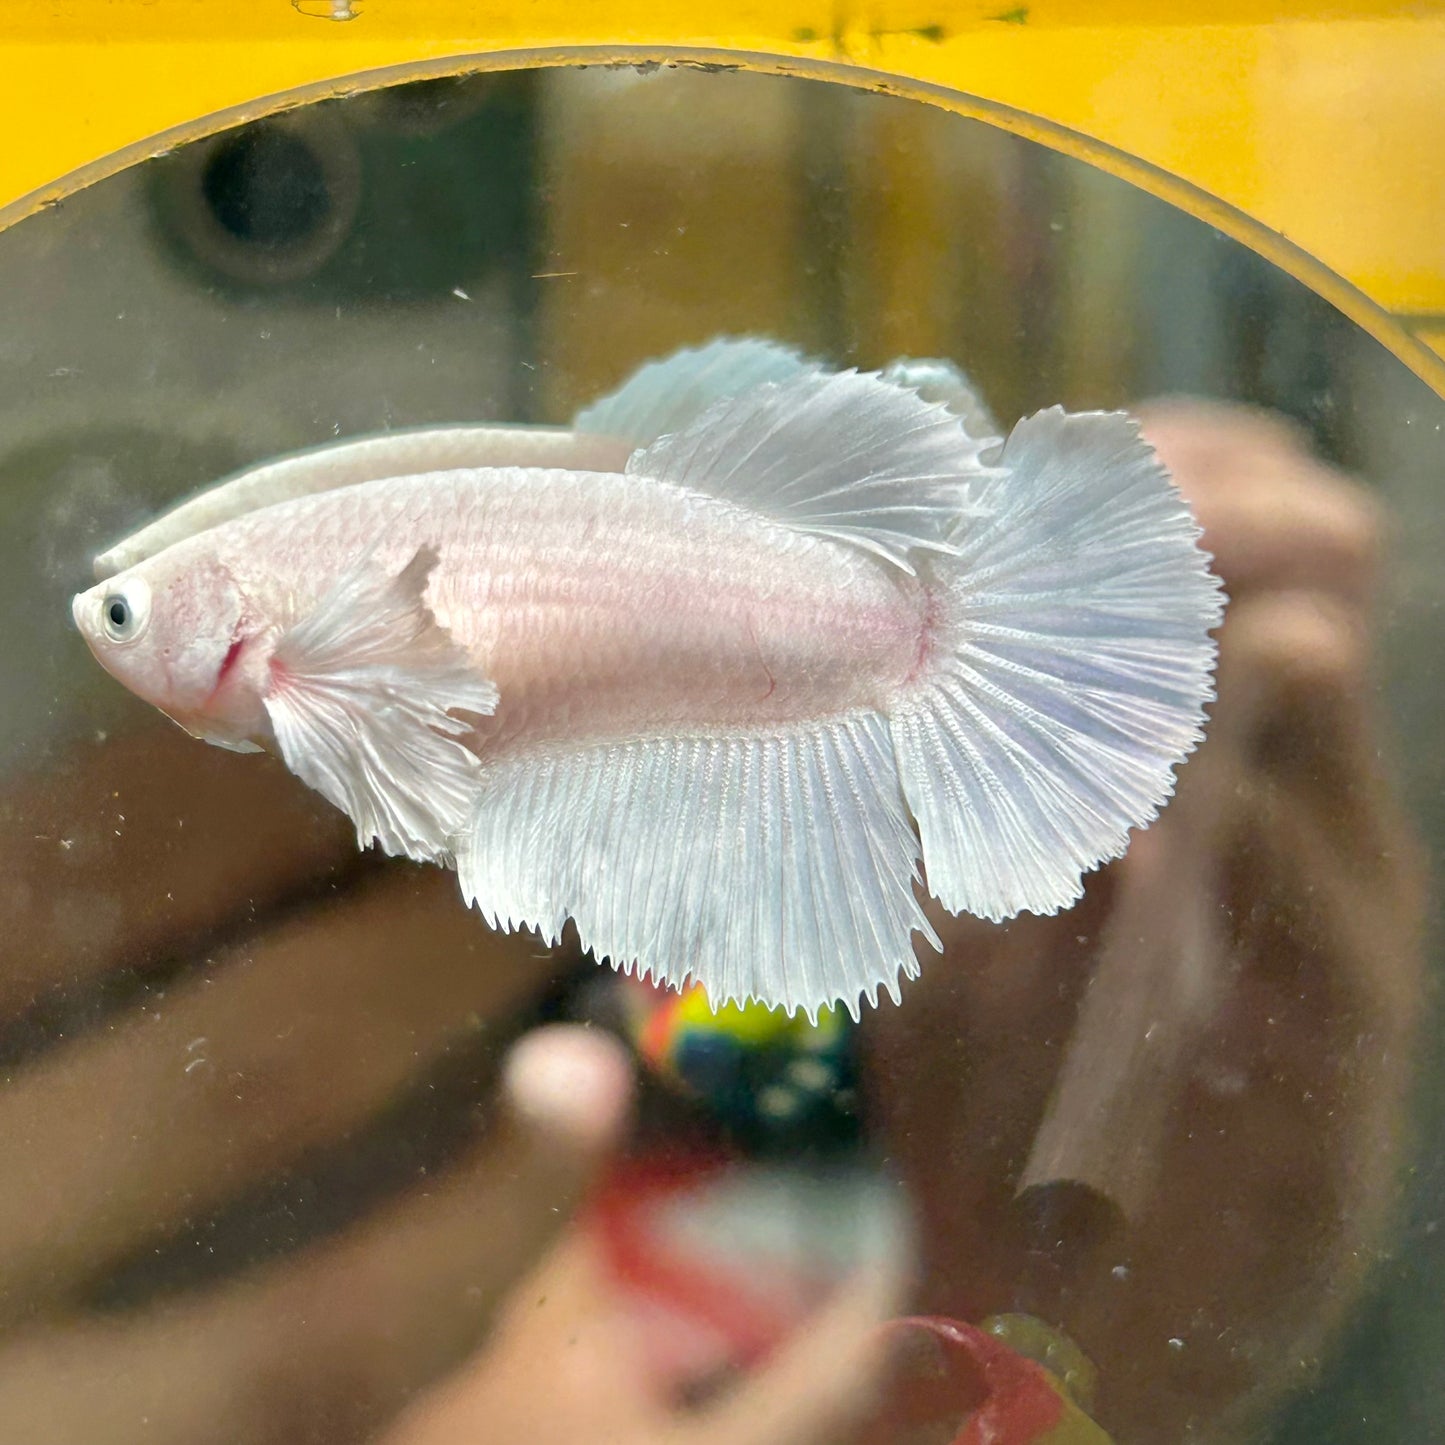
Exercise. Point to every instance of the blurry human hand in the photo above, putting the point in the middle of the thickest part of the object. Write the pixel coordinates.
(1167, 1119)
(565, 1368)
(311, 993)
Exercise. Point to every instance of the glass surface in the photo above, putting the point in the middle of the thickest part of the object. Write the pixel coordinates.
(259, 1185)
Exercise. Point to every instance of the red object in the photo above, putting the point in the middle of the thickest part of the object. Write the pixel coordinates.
(968, 1376)
(703, 1312)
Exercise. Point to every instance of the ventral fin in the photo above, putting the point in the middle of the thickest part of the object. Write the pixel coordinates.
(666, 395)
(363, 700)
(777, 868)
(841, 454)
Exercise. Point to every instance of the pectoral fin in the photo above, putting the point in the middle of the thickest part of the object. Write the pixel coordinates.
(364, 699)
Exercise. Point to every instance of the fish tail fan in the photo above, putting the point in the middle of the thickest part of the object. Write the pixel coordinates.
(1068, 673)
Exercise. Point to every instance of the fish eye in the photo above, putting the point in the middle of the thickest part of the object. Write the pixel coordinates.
(124, 614)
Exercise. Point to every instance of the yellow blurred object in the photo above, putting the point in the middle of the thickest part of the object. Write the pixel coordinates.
(1051, 1348)
(750, 1024)
(1309, 131)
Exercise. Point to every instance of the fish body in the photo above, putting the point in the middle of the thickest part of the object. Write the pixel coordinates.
(600, 606)
(717, 706)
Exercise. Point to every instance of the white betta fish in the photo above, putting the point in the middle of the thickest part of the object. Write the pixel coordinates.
(711, 672)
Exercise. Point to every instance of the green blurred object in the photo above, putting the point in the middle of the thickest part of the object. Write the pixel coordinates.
(776, 1083)
(1052, 1349)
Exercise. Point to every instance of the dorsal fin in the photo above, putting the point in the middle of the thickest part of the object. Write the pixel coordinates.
(662, 396)
(935, 378)
(842, 454)
(668, 394)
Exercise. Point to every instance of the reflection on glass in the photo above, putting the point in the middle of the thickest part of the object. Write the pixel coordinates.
(292, 1157)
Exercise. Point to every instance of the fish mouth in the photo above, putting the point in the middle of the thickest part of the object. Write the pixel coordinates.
(84, 608)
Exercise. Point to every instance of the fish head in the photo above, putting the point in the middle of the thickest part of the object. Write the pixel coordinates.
(179, 632)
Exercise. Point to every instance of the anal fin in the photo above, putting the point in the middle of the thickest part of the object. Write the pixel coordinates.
(776, 867)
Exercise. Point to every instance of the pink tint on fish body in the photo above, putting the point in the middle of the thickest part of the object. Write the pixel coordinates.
(714, 709)
(599, 611)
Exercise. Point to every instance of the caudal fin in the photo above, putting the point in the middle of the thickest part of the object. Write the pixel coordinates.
(1070, 676)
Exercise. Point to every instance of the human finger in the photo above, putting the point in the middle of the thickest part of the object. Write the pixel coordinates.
(1166, 956)
(1273, 515)
(327, 1346)
(1322, 854)
(563, 1372)
(558, 1369)
(1315, 749)
(289, 1042)
(1254, 1025)
(1295, 530)
(1204, 436)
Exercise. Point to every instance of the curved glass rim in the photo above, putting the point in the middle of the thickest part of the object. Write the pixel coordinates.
(1239, 225)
